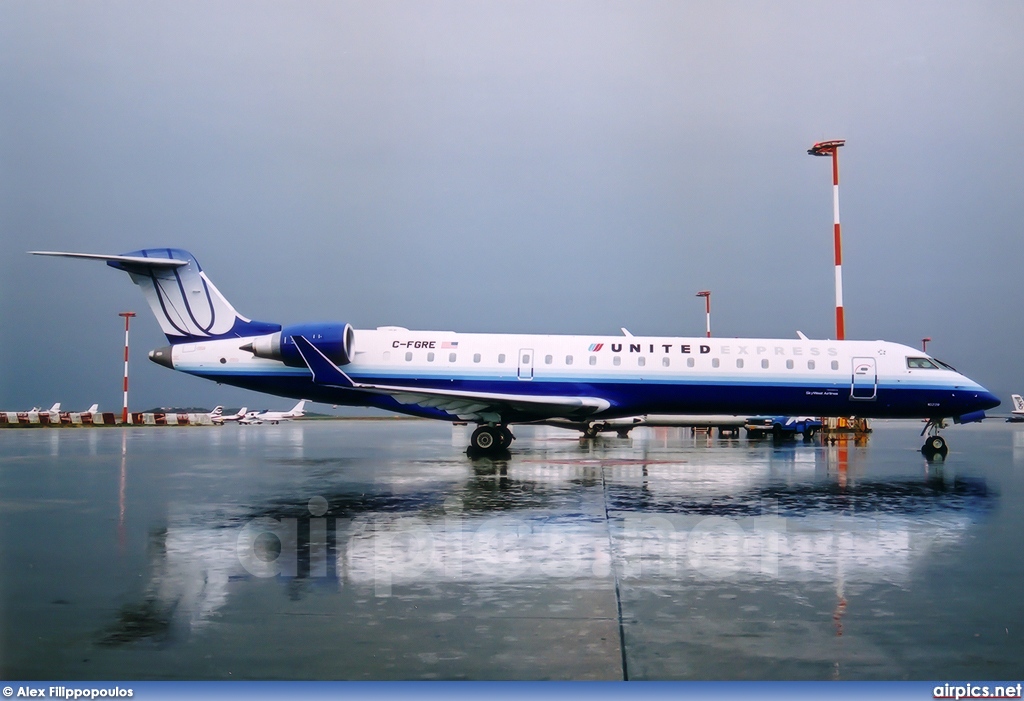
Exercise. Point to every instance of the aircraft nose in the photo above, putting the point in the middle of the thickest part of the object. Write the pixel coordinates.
(162, 356)
(988, 400)
(980, 400)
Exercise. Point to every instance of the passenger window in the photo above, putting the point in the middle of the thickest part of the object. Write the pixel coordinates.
(501, 357)
(451, 357)
(616, 360)
(430, 357)
(764, 363)
(548, 359)
(408, 356)
(810, 364)
(789, 364)
(689, 362)
(641, 361)
(739, 362)
(387, 356)
(714, 362)
(593, 360)
(568, 360)
(665, 361)
(835, 364)
(526, 360)
(476, 357)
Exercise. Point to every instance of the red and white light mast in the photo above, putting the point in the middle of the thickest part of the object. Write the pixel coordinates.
(831, 148)
(706, 294)
(124, 410)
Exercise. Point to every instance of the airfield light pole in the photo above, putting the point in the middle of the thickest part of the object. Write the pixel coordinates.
(831, 148)
(924, 344)
(706, 294)
(124, 410)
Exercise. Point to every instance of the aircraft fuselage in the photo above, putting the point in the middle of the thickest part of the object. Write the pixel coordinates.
(636, 375)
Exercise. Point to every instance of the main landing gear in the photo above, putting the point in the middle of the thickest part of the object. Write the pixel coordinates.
(935, 446)
(489, 440)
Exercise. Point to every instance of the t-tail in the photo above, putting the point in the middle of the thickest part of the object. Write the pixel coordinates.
(188, 306)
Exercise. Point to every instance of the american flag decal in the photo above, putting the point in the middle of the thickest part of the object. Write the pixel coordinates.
(450, 344)
(596, 346)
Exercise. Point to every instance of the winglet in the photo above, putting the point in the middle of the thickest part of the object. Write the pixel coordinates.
(324, 371)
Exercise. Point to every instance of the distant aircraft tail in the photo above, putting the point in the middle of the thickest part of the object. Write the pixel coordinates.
(187, 305)
(297, 410)
(92, 410)
(1018, 404)
(217, 411)
(54, 409)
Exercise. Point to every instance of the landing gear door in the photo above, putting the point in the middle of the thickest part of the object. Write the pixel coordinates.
(864, 386)
(526, 364)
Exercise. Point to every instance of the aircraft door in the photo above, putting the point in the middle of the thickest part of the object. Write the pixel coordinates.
(526, 364)
(864, 385)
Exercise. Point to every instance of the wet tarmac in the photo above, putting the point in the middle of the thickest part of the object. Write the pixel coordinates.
(378, 550)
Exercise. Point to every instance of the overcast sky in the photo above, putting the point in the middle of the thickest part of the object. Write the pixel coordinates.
(548, 167)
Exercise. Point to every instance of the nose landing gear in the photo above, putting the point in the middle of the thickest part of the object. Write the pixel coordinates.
(935, 446)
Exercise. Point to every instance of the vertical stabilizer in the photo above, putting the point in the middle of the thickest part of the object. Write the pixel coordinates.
(187, 305)
(1018, 404)
(185, 302)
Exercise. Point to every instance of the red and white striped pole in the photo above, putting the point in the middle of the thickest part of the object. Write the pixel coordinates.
(124, 410)
(831, 148)
(706, 294)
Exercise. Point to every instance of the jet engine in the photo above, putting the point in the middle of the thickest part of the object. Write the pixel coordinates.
(333, 340)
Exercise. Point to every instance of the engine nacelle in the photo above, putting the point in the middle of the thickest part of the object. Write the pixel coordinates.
(333, 340)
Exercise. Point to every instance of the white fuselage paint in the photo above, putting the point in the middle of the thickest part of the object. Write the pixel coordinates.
(397, 355)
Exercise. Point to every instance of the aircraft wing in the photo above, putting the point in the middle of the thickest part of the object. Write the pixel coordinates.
(463, 404)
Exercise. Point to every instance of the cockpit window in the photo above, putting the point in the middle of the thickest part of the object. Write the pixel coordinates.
(945, 365)
(921, 364)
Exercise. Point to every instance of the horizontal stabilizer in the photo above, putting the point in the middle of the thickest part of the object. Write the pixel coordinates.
(130, 260)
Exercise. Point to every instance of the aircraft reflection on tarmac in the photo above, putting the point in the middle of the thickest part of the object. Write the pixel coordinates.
(538, 521)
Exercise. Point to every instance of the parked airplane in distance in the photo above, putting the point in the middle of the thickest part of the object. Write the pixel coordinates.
(251, 418)
(94, 409)
(217, 415)
(496, 380)
(1017, 415)
(53, 413)
(273, 417)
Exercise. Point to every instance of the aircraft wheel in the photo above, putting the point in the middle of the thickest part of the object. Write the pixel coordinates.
(505, 436)
(935, 445)
(485, 439)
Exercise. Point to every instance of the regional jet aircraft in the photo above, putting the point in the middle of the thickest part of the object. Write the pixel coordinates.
(217, 415)
(496, 380)
(273, 417)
